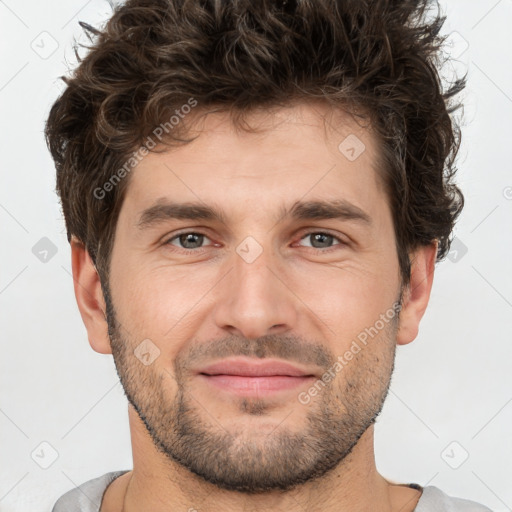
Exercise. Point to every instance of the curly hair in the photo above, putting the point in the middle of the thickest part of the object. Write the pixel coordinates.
(377, 57)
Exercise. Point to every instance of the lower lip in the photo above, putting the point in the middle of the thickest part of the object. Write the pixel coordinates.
(256, 386)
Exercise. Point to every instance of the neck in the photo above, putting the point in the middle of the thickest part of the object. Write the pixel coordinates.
(160, 485)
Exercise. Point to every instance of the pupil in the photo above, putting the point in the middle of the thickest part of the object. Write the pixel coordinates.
(319, 240)
(189, 238)
(323, 238)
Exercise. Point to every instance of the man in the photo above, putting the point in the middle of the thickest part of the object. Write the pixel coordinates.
(256, 193)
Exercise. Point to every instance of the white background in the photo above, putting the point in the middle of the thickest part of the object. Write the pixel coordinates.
(453, 384)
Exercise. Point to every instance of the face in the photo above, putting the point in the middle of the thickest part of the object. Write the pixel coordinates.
(252, 297)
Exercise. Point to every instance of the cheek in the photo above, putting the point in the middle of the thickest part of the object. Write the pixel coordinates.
(155, 299)
(348, 296)
(159, 302)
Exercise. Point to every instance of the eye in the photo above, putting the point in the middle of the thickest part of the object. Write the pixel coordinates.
(188, 241)
(321, 240)
(192, 241)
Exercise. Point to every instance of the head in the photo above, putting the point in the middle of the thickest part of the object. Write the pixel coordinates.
(260, 180)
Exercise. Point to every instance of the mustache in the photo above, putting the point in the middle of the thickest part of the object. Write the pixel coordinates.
(290, 348)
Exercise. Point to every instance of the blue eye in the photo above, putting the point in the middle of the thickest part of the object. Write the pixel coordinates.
(321, 240)
(189, 240)
(194, 242)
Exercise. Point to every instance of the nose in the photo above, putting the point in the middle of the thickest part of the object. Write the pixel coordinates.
(256, 300)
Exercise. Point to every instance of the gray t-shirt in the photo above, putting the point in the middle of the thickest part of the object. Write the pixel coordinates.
(87, 498)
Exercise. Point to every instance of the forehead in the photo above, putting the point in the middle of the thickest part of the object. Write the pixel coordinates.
(299, 152)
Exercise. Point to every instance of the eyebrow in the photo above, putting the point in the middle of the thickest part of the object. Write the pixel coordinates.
(340, 209)
(167, 210)
(301, 210)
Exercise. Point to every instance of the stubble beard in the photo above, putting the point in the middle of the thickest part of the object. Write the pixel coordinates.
(249, 461)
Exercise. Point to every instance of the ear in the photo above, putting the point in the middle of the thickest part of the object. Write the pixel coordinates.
(89, 297)
(417, 293)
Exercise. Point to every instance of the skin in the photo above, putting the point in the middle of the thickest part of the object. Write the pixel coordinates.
(302, 304)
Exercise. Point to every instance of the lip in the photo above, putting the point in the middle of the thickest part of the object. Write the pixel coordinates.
(244, 367)
(255, 378)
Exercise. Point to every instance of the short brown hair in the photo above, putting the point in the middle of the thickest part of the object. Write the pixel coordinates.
(153, 56)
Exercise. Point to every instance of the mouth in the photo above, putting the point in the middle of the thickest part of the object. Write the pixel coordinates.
(248, 377)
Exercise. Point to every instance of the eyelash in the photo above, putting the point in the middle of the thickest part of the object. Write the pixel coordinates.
(200, 250)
